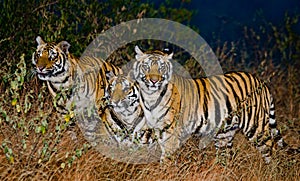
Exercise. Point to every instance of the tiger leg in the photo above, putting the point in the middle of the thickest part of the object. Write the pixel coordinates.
(273, 127)
(169, 142)
(223, 138)
(265, 141)
(271, 137)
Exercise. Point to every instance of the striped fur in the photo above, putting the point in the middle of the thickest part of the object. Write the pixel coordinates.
(77, 85)
(63, 73)
(123, 116)
(216, 106)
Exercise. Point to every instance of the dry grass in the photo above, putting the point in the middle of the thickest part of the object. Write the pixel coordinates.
(59, 152)
(189, 163)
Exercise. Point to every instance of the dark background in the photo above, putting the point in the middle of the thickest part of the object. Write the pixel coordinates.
(224, 19)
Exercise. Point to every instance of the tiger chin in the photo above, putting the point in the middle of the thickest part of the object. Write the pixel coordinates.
(216, 106)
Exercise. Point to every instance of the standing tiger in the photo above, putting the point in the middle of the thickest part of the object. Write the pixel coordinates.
(62, 71)
(74, 82)
(177, 107)
(123, 115)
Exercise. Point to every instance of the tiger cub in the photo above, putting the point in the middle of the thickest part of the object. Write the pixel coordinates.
(215, 106)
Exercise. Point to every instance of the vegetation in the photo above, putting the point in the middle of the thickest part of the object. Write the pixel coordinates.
(37, 144)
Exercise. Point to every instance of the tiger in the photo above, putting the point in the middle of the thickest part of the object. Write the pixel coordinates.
(214, 106)
(73, 83)
(123, 115)
(61, 70)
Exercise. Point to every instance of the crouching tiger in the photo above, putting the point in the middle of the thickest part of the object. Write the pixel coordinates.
(123, 116)
(177, 107)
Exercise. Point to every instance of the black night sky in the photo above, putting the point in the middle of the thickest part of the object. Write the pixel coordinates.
(225, 19)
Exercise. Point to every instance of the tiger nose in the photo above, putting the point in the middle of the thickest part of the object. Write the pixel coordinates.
(117, 103)
(41, 67)
(153, 80)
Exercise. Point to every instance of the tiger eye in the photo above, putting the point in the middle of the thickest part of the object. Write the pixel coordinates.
(145, 67)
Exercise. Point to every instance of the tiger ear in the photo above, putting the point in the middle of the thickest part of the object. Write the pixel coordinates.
(109, 75)
(64, 46)
(170, 56)
(169, 52)
(39, 40)
(138, 52)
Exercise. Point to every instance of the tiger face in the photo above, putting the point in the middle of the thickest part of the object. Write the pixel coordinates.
(122, 94)
(152, 70)
(50, 59)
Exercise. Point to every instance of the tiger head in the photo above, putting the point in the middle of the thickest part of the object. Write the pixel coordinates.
(50, 59)
(153, 69)
(122, 94)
